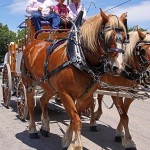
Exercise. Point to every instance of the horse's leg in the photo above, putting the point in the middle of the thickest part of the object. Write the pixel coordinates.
(75, 123)
(122, 108)
(99, 111)
(31, 104)
(119, 131)
(44, 116)
(127, 139)
(93, 125)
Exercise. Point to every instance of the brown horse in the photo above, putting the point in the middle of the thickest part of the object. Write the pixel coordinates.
(137, 58)
(55, 72)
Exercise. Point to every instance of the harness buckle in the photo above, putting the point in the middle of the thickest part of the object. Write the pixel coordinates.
(29, 89)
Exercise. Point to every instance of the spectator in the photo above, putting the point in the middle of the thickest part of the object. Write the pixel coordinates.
(63, 11)
(42, 10)
(74, 8)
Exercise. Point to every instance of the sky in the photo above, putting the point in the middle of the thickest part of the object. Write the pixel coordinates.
(138, 11)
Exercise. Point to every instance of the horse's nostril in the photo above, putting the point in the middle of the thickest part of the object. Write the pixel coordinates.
(114, 68)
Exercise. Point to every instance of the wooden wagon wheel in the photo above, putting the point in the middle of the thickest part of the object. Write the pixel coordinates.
(6, 85)
(22, 101)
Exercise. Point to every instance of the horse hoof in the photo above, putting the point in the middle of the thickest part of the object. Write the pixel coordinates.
(34, 136)
(131, 148)
(93, 129)
(118, 139)
(44, 133)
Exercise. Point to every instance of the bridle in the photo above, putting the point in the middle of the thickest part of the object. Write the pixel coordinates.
(118, 39)
(141, 57)
(142, 75)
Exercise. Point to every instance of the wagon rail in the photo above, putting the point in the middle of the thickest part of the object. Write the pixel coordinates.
(123, 91)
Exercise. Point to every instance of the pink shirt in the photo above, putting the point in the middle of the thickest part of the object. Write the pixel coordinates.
(63, 11)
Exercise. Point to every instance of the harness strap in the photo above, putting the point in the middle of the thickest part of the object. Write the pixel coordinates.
(87, 90)
(59, 68)
(130, 73)
(35, 83)
(49, 74)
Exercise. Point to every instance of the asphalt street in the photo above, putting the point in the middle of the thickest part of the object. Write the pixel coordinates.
(14, 133)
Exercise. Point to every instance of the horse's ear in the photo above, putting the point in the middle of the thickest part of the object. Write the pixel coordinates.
(123, 17)
(104, 16)
(141, 34)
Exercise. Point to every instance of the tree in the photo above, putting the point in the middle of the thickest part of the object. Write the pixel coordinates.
(6, 36)
(21, 34)
(132, 28)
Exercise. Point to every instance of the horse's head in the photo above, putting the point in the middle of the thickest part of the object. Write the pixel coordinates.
(104, 36)
(137, 53)
(113, 33)
(142, 54)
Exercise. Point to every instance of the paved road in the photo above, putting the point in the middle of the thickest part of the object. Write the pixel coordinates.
(14, 133)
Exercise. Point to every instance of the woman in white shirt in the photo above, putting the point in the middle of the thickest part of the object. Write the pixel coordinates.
(74, 8)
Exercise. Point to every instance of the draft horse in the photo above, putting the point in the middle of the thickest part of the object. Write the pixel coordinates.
(137, 71)
(59, 69)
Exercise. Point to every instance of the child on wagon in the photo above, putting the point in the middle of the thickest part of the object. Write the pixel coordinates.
(63, 11)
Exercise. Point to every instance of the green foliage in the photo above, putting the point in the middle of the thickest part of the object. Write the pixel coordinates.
(21, 34)
(7, 36)
(132, 28)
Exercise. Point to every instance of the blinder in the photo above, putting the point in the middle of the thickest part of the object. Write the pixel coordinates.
(141, 55)
(119, 38)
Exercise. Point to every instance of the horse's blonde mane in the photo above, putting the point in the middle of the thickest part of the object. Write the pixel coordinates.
(113, 22)
(91, 28)
(133, 38)
(89, 32)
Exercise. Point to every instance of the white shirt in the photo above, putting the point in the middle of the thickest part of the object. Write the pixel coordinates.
(33, 5)
(73, 12)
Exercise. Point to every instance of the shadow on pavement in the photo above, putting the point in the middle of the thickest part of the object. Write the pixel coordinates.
(43, 143)
(104, 137)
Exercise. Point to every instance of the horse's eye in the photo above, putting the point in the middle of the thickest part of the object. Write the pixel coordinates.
(142, 51)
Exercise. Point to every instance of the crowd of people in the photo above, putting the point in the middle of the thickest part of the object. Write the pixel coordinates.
(56, 15)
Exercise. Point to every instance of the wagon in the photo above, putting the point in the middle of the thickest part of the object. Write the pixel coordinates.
(11, 79)
(11, 75)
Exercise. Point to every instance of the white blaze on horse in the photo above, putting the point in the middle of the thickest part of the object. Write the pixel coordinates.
(71, 68)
